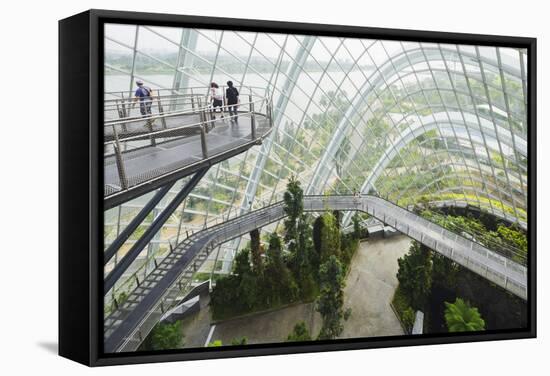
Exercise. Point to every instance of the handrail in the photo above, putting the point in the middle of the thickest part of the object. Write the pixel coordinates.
(175, 113)
(498, 269)
(205, 88)
(127, 134)
(404, 208)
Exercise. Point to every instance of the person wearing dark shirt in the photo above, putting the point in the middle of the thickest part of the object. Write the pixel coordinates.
(144, 95)
(232, 99)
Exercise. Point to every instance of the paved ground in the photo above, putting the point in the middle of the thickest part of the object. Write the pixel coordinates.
(370, 285)
(270, 327)
(195, 328)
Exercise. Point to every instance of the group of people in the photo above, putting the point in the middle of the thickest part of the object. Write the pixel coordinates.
(231, 99)
(144, 95)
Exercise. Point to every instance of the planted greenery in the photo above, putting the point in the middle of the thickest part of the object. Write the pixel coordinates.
(408, 318)
(461, 317)
(508, 240)
(237, 341)
(299, 333)
(165, 336)
(291, 268)
(330, 303)
(401, 304)
(415, 275)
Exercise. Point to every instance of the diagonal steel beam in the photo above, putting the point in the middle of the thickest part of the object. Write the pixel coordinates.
(133, 225)
(136, 249)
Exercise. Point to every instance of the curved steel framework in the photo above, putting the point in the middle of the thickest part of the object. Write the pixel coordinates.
(131, 321)
(405, 120)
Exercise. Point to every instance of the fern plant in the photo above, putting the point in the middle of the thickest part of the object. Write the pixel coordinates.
(461, 317)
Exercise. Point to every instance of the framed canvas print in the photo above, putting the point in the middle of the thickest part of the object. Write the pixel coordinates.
(235, 187)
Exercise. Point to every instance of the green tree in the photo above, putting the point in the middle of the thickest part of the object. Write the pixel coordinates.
(299, 333)
(242, 262)
(444, 271)
(301, 262)
(461, 317)
(356, 219)
(327, 237)
(248, 291)
(337, 218)
(315, 257)
(275, 249)
(293, 209)
(331, 299)
(256, 251)
(298, 235)
(415, 275)
(279, 286)
(165, 336)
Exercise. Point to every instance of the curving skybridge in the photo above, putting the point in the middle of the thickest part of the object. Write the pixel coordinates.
(127, 326)
(404, 120)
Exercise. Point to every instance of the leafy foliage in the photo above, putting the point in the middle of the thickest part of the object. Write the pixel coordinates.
(460, 317)
(415, 275)
(216, 343)
(299, 333)
(327, 238)
(293, 208)
(256, 250)
(331, 299)
(508, 240)
(238, 341)
(408, 318)
(246, 290)
(356, 220)
(444, 271)
(165, 336)
(259, 283)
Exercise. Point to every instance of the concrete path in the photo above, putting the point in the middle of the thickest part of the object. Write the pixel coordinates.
(269, 327)
(370, 286)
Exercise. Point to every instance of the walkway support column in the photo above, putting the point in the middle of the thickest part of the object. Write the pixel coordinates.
(252, 118)
(119, 162)
(133, 225)
(136, 249)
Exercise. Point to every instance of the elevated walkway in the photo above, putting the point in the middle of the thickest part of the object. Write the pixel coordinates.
(127, 326)
(143, 153)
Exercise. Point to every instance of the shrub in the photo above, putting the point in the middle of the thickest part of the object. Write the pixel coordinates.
(461, 317)
(299, 333)
(408, 318)
(165, 336)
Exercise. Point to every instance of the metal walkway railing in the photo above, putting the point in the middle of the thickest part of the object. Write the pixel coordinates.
(127, 326)
(142, 153)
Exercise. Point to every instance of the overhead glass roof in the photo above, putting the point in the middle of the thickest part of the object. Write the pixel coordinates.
(404, 120)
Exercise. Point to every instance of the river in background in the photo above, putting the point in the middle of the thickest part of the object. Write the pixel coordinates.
(306, 82)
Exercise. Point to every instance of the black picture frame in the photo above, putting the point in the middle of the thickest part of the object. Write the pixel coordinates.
(80, 185)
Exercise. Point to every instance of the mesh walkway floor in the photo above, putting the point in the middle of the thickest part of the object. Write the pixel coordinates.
(125, 329)
(174, 156)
